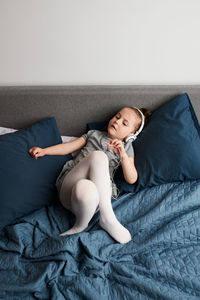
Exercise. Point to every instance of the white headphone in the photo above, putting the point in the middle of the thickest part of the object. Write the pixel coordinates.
(133, 136)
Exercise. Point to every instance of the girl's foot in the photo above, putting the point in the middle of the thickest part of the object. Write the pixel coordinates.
(116, 230)
(73, 230)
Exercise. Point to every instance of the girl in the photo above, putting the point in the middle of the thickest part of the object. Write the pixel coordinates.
(85, 184)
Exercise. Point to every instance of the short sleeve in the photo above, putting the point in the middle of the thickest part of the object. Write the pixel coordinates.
(129, 149)
(87, 135)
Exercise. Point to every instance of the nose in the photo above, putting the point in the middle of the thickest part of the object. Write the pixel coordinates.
(117, 121)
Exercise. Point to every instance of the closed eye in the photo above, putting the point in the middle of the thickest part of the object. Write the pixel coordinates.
(119, 118)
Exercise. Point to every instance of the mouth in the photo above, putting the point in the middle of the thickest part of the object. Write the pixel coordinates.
(112, 126)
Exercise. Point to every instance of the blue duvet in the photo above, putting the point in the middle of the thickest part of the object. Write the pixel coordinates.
(161, 262)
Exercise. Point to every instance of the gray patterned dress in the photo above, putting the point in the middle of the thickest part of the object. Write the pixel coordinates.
(96, 140)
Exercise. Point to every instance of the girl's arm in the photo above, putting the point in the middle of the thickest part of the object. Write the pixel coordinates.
(65, 148)
(128, 166)
(129, 170)
(60, 149)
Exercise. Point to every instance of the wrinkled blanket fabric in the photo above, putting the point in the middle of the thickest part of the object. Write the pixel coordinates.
(161, 262)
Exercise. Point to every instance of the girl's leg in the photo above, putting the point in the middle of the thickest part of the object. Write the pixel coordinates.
(94, 167)
(99, 174)
(79, 195)
(83, 203)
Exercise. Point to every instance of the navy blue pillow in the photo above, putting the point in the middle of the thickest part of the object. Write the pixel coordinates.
(28, 184)
(167, 149)
(98, 125)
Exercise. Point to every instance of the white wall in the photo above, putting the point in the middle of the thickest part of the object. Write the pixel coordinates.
(45, 42)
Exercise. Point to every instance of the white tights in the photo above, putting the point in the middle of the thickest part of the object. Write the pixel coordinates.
(86, 187)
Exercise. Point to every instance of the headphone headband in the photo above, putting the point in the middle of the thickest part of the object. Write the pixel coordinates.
(134, 136)
(143, 119)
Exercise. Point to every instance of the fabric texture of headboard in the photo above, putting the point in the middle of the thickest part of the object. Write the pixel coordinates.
(75, 106)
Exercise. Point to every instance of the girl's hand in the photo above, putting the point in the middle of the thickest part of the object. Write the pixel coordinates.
(117, 146)
(36, 152)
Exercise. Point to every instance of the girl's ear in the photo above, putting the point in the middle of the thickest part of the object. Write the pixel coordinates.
(134, 130)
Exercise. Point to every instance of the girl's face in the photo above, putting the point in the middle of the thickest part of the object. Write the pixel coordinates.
(122, 124)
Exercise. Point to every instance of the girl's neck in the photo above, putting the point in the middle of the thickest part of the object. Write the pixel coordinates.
(108, 136)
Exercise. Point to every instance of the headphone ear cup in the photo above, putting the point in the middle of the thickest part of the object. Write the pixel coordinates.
(131, 137)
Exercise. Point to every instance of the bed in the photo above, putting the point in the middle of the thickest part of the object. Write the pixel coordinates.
(162, 212)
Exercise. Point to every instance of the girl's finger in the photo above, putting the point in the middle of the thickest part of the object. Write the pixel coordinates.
(117, 144)
(113, 141)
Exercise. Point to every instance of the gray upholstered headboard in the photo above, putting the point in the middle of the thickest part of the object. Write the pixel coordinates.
(75, 106)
